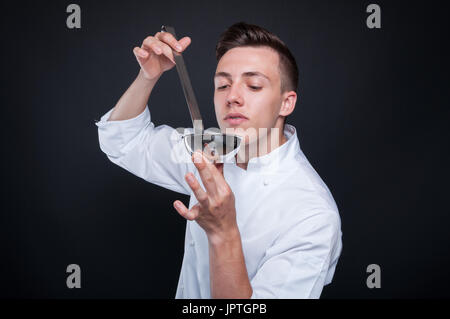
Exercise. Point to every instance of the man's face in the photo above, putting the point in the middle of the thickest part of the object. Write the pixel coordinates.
(247, 81)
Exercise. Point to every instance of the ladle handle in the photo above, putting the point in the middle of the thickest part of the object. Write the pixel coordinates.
(191, 101)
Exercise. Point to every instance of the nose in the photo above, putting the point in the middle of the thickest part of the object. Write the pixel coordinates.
(234, 96)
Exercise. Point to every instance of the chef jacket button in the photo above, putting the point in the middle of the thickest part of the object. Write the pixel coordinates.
(266, 182)
(192, 243)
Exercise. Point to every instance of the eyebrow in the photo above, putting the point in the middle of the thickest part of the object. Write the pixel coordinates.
(245, 74)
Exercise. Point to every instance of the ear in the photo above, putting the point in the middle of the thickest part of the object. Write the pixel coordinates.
(288, 103)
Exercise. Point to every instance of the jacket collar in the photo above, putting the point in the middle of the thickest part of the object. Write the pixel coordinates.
(280, 158)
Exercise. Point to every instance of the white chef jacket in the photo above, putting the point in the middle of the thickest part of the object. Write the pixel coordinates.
(288, 220)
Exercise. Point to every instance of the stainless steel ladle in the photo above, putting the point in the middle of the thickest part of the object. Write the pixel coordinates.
(220, 146)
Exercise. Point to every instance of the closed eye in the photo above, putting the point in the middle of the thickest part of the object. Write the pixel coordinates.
(255, 88)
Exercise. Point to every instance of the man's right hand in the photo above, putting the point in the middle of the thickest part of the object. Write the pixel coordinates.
(155, 55)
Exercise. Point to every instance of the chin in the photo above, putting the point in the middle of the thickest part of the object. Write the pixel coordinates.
(235, 129)
(248, 137)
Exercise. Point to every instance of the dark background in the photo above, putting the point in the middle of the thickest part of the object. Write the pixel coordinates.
(372, 119)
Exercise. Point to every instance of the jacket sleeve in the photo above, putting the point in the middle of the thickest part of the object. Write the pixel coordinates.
(155, 154)
(301, 261)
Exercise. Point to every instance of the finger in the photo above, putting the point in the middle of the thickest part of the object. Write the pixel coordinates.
(140, 53)
(139, 58)
(191, 214)
(168, 38)
(160, 48)
(222, 186)
(211, 154)
(167, 51)
(219, 167)
(216, 169)
(199, 193)
(153, 45)
(205, 174)
(185, 42)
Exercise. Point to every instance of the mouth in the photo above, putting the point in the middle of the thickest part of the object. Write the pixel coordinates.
(235, 118)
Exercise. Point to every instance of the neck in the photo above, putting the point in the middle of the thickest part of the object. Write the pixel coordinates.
(262, 146)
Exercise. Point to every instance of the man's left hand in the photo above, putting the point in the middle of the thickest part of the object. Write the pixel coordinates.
(215, 211)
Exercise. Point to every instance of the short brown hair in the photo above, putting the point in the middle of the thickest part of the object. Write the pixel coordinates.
(243, 34)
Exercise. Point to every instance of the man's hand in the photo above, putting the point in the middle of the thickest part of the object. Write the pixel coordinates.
(215, 211)
(216, 214)
(155, 56)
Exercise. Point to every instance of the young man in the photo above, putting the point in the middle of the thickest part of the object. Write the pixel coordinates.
(263, 226)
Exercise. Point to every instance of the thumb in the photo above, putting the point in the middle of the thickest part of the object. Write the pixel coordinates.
(185, 42)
